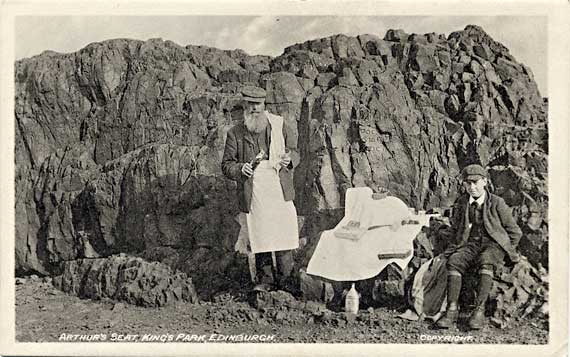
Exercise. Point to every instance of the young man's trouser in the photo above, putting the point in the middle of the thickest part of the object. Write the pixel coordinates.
(264, 266)
(483, 251)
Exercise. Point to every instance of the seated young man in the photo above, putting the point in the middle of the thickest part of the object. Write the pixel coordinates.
(486, 233)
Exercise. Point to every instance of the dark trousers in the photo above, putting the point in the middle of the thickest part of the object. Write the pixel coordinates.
(483, 251)
(264, 266)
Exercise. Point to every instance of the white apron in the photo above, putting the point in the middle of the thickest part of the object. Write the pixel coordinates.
(271, 221)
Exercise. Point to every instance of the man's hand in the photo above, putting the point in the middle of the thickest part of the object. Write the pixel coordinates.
(285, 161)
(512, 261)
(449, 250)
(247, 169)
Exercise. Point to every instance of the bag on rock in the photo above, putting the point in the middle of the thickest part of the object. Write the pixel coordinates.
(429, 289)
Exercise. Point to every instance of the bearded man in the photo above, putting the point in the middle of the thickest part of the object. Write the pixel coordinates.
(260, 155)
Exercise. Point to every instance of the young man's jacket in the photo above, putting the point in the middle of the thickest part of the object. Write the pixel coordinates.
(497, 219)
(239, 149)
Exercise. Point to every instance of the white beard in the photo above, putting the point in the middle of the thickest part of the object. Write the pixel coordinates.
(255, 122)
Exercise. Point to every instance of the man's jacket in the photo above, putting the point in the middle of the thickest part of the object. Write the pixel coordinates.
(239, 149)
(497, 219)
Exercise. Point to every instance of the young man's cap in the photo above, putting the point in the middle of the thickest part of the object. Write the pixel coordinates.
(253, 94)
(473, 172)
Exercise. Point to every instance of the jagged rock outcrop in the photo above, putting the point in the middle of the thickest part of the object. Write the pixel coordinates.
(127, 279)
(118, 145)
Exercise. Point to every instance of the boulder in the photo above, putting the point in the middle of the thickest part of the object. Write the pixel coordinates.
(519, 293)
(325, 80)
(315, 289)
(397, 35)
(424, 58)
(374, 46)
(128, 279)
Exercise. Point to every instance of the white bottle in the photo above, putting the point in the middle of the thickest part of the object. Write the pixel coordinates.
(351, 301)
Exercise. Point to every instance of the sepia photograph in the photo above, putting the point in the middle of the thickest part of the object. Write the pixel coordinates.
(287, 181)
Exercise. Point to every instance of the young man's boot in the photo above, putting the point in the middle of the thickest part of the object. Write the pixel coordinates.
(477, 320)
(453, 288)
(449, 320)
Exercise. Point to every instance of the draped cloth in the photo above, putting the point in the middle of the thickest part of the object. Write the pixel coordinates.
(342, 259)
(277, 145)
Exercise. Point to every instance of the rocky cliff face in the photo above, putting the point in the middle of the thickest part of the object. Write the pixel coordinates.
(118, 145)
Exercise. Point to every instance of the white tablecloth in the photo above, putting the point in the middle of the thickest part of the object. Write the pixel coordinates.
(347, 260)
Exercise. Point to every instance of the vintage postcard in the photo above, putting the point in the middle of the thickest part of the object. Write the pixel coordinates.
(284, 178)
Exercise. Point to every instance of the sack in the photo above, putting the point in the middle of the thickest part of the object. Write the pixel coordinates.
(429, 289)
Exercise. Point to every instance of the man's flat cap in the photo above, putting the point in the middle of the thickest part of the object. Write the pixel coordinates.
(473, 172)
(253, 94)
